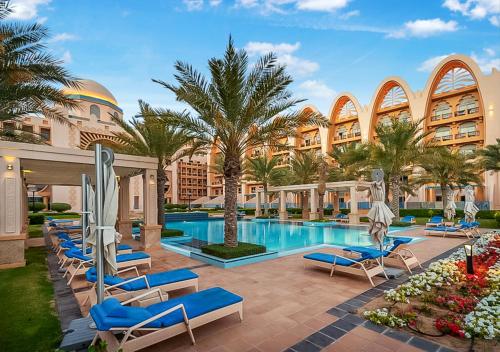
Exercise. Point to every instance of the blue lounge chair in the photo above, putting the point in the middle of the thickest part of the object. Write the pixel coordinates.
(341, 217)
(397, 255)
(367, 265)
(80, 263)
(125, 288)
(435, 221)
(446, 230)
(144, 326)
(66, 245)
(408, 218)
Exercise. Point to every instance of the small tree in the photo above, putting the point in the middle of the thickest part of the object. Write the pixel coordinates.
(490, 156)
(263, 170)
(60, 207)
(303, 170)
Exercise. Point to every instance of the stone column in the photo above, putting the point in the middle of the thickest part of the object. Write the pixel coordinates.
(258, 208)
(150, 231)
(336, 202)
(313, 214)
(354, 215)
(282, 210)
(124, 222)
(12, 221)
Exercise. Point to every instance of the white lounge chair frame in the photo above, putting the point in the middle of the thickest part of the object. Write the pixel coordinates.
(122, 295)
(467, 232)
(367, 267)
(402, 255)
(151, 336)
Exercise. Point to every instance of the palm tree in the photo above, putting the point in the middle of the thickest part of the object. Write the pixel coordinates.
(447, 167)
(397, 149)
(264, 170)
(303, 170)
(323, 169)
(147, 134)
(29, 74)
(237, 109)
(351, 161)
(490, 156)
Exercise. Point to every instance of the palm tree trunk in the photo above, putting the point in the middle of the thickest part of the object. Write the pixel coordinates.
(305, 206)
(232, 170)
(161, 180)
(266, 203)
(395, 196)
(443, 196)
(321, 205)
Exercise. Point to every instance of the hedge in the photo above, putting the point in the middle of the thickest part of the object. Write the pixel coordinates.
(175, 206)
(242, 250)
(171, 233)
(60, 207)
(36, 207)
(425, 213)
(36, 219)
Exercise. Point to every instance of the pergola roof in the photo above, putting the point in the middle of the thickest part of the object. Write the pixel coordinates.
(48, 165)
(342, 186)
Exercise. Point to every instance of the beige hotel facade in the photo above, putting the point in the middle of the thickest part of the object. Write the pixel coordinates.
(461, 106)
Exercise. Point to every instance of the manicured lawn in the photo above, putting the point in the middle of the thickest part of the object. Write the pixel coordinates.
(171, 233)
(28, 320)
(242, 250)
(485, 223)
(35, 231)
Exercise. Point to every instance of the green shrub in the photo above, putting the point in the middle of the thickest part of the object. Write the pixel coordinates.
(364, 219)
(171, 233)
(242, 250)
(137, 223)
(60, 207)
(36, 219)
(175, 206)
(400, 224)
(264, 217)
(321, 220)
(36, 207)
(497, 218)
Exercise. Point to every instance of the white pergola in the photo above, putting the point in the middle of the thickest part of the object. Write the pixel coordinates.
(331, 187)
(50, 165)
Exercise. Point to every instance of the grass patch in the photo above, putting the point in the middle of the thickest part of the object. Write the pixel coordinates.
(35, 231)
(400, 224)
(322, 220)
(171, 233)
(29, 321)
(244, 249)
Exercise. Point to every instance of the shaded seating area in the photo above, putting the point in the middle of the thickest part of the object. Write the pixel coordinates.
(144, 326)
(367, 265)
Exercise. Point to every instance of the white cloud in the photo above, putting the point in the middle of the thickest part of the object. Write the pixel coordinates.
(429, 64)
(215, 3)
(284, 51)
(193, 5)
(247, 3)
(424, 28)
(283, 6)
(63, 37)
(317, 89)
(476, 9)
(26, 9)
(347, 15)
(261, 48)
(487, 60)
(321, 5)
(66, 57)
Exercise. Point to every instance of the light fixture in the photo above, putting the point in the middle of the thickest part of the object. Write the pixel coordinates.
(10, 167)
(468, 257)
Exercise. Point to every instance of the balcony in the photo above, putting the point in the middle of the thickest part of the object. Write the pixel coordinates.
(460, 135)
(448, 137)
(473, 134)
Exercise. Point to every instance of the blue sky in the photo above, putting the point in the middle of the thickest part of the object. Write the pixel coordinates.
(329, 46)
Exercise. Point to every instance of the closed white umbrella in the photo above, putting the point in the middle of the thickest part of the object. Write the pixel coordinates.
(379, 216)
(110, 213)
(450, 210)
(470, 209)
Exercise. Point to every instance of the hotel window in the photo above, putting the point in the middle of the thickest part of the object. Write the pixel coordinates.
(385, 120)
(28, 128)
(467, 149)
(317, 138)
(468, 105)
(45, 134)
(136, 202)
(356, 129)
(443, 132)
(9, 126)
(342, 132)
(469, 128)
(115, 114)
(404, 116)
(95, 112)
(442, 111)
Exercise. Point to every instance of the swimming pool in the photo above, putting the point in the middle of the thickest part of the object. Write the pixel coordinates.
(276, 236)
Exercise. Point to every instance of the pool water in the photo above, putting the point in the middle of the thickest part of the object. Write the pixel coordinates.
(276, 236)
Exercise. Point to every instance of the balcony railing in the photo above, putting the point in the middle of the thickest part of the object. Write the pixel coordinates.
(460, 112)
(473, 134)
(460, 135)
(448, 137)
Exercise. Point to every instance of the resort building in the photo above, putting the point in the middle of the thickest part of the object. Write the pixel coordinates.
(460, 107)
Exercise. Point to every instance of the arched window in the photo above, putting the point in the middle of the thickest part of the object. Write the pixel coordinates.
(348, 110)
(444, 133)
(467, 149)
(385, 120)
(442, 111)
(467, 105)
(95, 111)
(342, 132)
(115, 114)
(395, 96)
(317, 138)
(455, 78)
(467, 127)
(356, 130)
(404, 116)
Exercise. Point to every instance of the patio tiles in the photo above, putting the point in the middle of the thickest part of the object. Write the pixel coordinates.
(284, 304)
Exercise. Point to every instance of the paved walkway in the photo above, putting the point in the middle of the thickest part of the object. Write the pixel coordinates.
(284, 303)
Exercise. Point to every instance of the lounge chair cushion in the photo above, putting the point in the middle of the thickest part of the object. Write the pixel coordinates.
(77, 254)
(196, 304)
(102, 314)
(120, 247)
(330, 259)
(442, 229)
(155, 280)
(131, 256)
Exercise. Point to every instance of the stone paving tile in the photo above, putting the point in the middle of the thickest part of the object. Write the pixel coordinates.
(333, 331)
(320, 339)
(353, 319)
(305, 346)
(423, 344)
(374, 327)
(337, 312)
(398, 335)
(344, 325)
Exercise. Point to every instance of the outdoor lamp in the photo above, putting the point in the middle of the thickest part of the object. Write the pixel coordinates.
(468, 256)
(10, 167)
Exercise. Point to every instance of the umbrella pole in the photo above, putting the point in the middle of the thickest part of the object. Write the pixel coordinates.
(85, 209)
(99, 199)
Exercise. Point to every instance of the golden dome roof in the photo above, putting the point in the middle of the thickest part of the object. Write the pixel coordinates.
(93, 90)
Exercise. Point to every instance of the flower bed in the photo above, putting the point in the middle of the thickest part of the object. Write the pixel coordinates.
(445, 303)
